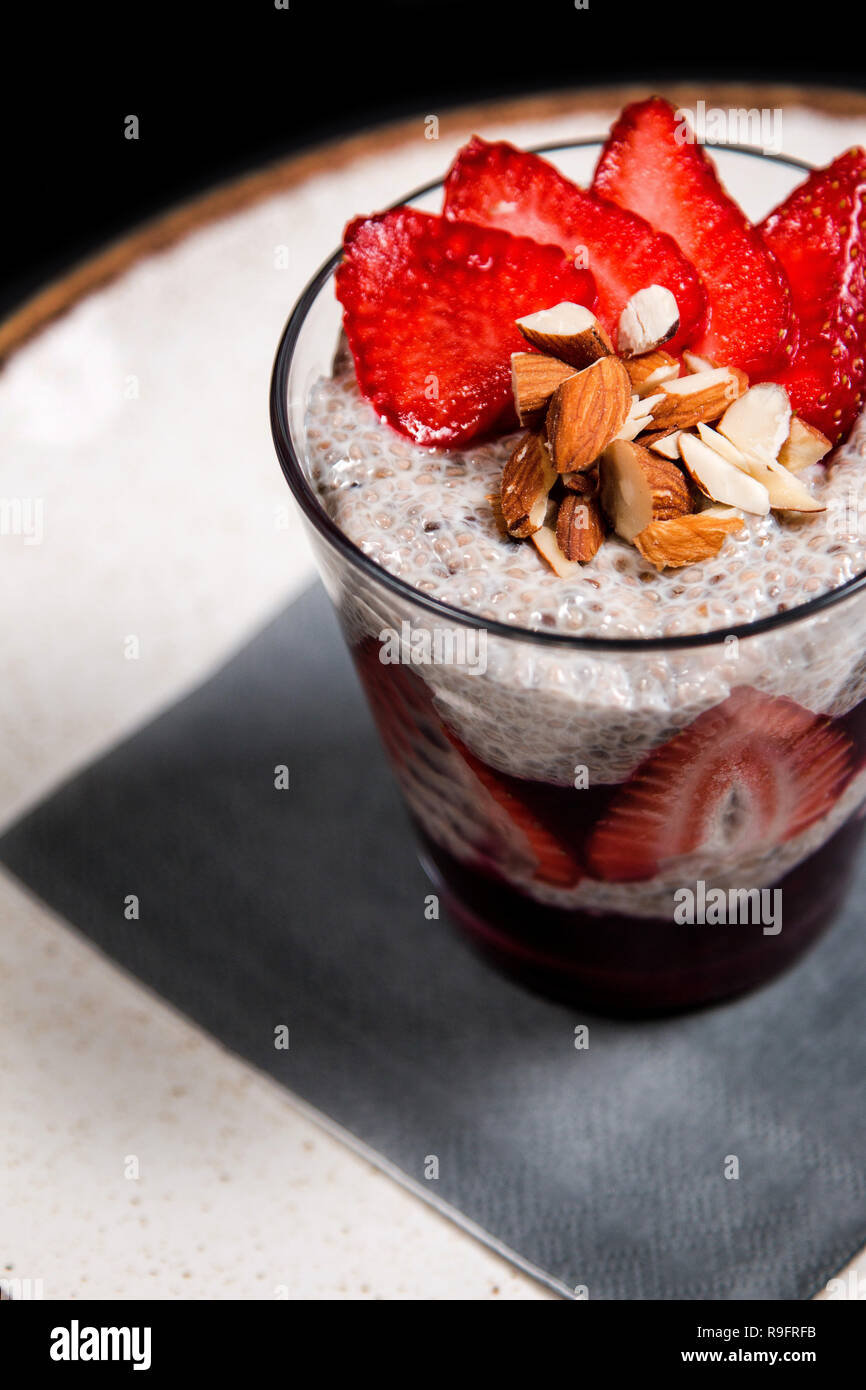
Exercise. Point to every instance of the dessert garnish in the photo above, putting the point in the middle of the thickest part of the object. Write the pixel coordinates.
(819, 237)
(429, 311)
(673, 184)
(673, 365)
(649, 319)
(651, 464)
(586, 412)
(500, 186)
(569, 332)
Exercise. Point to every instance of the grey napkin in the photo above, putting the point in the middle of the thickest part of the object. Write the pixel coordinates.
(259, 908)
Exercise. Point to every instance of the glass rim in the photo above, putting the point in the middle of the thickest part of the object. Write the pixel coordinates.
(323, 523)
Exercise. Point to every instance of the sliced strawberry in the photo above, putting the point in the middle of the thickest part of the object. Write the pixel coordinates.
(746, 776)
(400, 701)
(410, 730)
(555, 865)
(500, 186)
(429, 309)
(819, 236)
(648, 167)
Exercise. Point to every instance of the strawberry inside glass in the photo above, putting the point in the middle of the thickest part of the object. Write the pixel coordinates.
(607, 439)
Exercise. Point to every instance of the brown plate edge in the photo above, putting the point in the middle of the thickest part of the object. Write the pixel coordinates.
(169, 228)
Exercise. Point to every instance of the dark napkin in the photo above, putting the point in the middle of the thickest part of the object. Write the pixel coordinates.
(304, 907)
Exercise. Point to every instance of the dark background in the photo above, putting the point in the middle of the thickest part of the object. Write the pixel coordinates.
(223, 88)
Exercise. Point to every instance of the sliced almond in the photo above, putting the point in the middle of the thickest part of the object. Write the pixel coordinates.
(759, 422)
(639, 417)
(804, 446)
(580, 527)
(722, 446)
(569, 332)
(665, 444)
(693, 363)
(534, 379)
(527, 479)
(701, 396)
(786, 492)
(720, 479)
(637, 487)
(547, 546)
(587, 411)
(685, 540)
(634, 426)
(649, 319)
(648, 371)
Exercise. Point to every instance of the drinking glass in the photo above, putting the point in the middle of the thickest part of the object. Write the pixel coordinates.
(511, 746)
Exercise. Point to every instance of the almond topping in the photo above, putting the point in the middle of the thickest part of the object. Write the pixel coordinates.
(648, 371)
(759, 422)
(786, 493)
(496, 507)
(694, 363)
(586, 413)
(586, 484)
(638, 487)
(665, 444)
(701, 396)
(546, 544)
(649, 318)
(639, 417)
(569, 332)
(720, 479)
(527, 479)
(534, 379)
(579, 527)
(685, 540)
(804, 446)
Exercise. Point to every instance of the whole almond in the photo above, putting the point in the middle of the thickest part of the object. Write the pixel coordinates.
(527, 479)
(586, 412)
(534, 378)
(496, 508)
(685, 539)
(580, 527)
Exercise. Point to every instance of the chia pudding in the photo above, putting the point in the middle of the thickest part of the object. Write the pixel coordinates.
(567, 793)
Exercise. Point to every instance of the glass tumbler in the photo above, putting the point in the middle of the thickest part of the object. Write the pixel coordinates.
(637, 825)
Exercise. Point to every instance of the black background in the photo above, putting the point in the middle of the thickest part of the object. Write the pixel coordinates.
(223, 88)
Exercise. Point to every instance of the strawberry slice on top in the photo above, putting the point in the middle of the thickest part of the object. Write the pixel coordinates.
(429, 309)
(819, 236)
(747, 775)
(500, 186)
(648, 166)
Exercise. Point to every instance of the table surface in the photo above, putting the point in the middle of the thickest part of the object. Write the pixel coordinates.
(132, 411)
